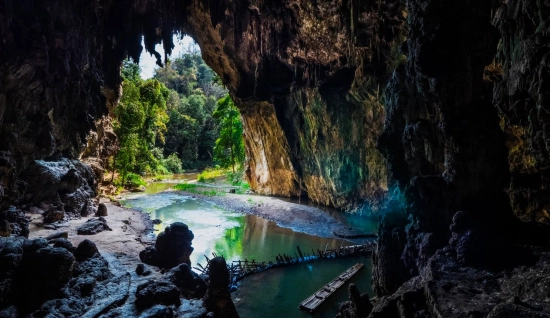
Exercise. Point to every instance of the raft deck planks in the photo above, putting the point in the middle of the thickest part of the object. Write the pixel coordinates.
(312, 302)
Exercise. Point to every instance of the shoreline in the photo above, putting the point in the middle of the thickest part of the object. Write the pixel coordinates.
(296, 217)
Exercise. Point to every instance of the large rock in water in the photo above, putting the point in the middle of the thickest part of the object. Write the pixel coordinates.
(173, 247)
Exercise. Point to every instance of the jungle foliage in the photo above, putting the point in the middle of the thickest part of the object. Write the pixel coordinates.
(180, 119)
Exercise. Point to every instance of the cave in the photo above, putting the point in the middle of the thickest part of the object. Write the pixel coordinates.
(431, 115)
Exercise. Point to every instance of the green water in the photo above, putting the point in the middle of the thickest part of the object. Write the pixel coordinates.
(275, 293)
(156, 186)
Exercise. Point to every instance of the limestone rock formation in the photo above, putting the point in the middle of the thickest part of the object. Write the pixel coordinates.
(93, 226)
(218, 299)
(172, 247)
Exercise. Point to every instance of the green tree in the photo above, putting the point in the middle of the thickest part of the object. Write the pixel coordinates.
(229, 149)
(140, 120)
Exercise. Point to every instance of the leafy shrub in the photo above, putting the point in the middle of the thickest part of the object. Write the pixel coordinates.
(173, 163)
(133, 181)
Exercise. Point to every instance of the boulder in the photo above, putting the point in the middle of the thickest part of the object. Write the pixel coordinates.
(93, 226)
(142, 270)
(42, 273)
(53, 215)
(64, 243)
(101, 210)
(173, 247)
(57, 235)
(190, 284)
(86, 249)
(156, 292)
(19, 224)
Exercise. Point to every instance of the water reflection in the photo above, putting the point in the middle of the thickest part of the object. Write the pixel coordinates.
(274, 293)
(277, 293)
(233, 235)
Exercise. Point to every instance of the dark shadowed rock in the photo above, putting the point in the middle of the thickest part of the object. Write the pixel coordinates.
(57, 235)
(14, 222)
(478, 245)
(190, 284)
(101, 210)
(86, 249)
(156, 292)
(64, 243)
(9, 312)
(218, 299)
(53, 215)
(159, 311)
(142, 270)
(173, 247)
(358, 306)
(93, 226)
(42, 273)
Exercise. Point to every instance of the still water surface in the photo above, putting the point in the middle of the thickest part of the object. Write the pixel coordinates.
(274, 293)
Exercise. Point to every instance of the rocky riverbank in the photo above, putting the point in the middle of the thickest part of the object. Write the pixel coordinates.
(58, 271)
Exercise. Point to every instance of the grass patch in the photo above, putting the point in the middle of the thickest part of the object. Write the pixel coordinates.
(193, 188)
(161, 177)
(210, 174)
(185, 186)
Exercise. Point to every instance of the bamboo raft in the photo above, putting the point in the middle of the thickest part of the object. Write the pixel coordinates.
(241, 269)
(312, 302)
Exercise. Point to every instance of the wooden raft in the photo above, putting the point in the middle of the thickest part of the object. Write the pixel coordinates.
(312, 302)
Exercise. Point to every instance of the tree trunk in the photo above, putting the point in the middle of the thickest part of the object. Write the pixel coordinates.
(114, 167)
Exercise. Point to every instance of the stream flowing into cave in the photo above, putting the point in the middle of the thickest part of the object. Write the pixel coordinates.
(236, 236)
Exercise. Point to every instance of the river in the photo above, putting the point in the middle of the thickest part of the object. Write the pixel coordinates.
(274, 293)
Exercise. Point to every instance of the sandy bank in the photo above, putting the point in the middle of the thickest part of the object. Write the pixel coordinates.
(299, 218)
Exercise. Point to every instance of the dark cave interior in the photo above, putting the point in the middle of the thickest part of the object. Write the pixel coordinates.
(342, 101)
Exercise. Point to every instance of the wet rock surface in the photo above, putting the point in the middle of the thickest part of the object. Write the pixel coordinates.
(172, 247)
(93, 226)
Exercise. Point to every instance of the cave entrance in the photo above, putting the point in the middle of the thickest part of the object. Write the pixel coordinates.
(175, 118)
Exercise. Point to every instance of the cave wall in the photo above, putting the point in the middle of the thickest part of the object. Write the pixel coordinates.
(522, 96)
(449, 148)
(312, 114)
(341, 100)
(271, 55)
